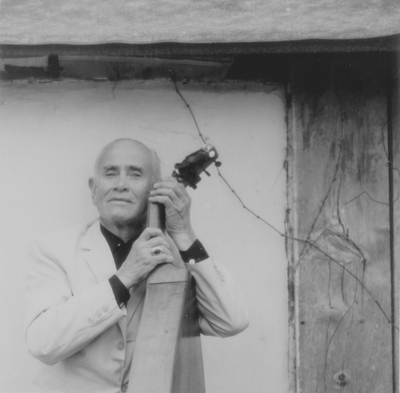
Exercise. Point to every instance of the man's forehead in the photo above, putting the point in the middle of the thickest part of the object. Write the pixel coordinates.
(126, 151)
(125, 154)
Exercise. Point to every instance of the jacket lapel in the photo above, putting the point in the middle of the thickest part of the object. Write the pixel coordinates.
(99, 257)
(98, 254)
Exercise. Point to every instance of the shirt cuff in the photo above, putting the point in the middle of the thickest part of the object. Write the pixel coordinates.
(195, 253)
(121, 293)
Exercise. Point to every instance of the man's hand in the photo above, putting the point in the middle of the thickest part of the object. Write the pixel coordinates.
(176, 200)
(148, 251)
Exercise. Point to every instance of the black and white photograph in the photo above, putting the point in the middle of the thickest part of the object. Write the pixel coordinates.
(199, 196)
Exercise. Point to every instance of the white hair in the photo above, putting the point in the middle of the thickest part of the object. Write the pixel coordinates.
(155, 160)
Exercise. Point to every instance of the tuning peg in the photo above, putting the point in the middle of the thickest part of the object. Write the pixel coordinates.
(218, 164)
(207, 173)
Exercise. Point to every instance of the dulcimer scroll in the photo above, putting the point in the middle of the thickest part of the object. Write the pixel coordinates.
(167, 356)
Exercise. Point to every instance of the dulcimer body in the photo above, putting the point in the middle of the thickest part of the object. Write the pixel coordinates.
(167, 357)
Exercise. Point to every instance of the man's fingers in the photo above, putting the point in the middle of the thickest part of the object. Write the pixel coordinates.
(171, 192)
(170, 195)
(150, 232)
(165, 200)
(157, 241)
(164, 258)
(169, 181)
(156, 250)
(161, 249)
(169, 185)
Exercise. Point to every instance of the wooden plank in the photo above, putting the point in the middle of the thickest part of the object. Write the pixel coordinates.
(113, 68)
(154, 356)
(125, 68)
(341, 268)
(189, 373)
(394, 167)
(199, 50)
(167, 356)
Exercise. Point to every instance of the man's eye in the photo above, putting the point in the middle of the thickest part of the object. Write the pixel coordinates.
(136, 175)
(110, 174)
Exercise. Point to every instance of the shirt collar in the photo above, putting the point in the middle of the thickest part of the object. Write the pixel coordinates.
(119, 249)
(112, 240)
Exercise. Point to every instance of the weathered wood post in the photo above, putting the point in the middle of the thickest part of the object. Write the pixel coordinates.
(342, 261)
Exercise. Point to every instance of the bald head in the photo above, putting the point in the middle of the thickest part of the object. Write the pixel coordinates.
(123, 146)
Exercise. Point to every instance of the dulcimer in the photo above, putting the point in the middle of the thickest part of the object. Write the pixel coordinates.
(167, 357)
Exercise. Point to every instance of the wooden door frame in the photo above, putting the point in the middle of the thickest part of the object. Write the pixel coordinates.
(393, 141)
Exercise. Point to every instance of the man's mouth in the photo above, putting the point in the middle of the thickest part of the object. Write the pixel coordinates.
(120, 200)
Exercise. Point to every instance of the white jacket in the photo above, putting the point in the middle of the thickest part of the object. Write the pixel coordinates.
(75, 326)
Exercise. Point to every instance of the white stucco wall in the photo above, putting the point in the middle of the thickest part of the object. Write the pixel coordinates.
(49, 137)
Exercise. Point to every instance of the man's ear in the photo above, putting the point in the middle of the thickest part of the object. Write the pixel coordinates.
(93, 189)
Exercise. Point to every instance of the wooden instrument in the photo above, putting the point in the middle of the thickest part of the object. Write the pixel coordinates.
(167, 356)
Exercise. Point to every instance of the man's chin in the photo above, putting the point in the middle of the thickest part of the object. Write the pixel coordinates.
(123, 218)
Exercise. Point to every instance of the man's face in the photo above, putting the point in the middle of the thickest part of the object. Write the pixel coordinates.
(124, 179)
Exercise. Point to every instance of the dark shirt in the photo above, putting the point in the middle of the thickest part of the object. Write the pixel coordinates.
(120, 250)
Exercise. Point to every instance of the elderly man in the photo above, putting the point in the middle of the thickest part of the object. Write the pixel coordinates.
(86, 284)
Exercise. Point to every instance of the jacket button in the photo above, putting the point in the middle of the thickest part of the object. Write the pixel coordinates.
(121, 345)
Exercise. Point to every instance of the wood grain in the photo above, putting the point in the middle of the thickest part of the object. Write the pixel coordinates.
(167, 356)
(340, 210)
(394, 121)
(154, 355)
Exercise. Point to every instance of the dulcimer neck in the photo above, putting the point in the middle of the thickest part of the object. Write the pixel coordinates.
(156, 215)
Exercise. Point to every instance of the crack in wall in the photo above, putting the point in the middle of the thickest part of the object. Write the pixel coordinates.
(307, 242)
(304, 252)
(339, 236)
(330, 339)
(353, 245)
(345, 381)
(369, 197)
(387, 165)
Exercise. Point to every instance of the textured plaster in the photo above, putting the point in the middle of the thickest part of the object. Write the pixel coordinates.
(140, 21)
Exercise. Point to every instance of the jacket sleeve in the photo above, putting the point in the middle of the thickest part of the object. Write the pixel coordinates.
(58, 322)
(221, 304)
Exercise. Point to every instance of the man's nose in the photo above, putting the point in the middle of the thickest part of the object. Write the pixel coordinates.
(121, 184)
